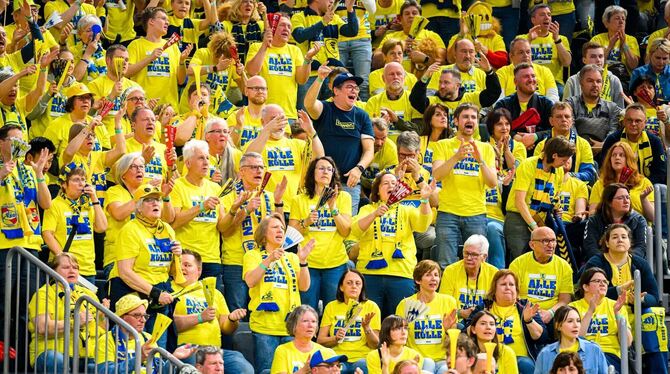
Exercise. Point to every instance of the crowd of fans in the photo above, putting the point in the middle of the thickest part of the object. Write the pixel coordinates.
(373, 186)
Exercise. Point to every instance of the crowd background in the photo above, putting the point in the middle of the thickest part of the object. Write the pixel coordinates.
(487, 167)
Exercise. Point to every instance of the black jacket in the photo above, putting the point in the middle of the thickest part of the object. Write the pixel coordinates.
(541, 103)
(487, 96)
(595, 228)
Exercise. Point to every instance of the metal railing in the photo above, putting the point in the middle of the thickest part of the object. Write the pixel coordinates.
(166, 361)
(102, 317)
(637, 306)
(657, 264)
(650, 248)
(17, 296)
(623, 342)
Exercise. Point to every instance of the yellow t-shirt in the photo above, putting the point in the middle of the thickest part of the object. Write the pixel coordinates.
(96, 172)
(394, 230)
(472, 80)
(426, 334)
(59, 219)
(279, 279)
(115, 194)
(285, 158)
(493, 42)
(288, 359)
(151, 252)
(386, 157)
(242, 240)
(509, 328)
(557, 7)
(101, 87)
(279, 70)
(329, 251)
(156, 168)
(188, 34)
(49, 300)
(423, 34)
(159, 78)
(583, 151)
(653, 124)
(468, 293)
(27, 83)
(636, 202)
(540, 186)
(572, 190)
(658, 34)
(545, 52)
(375, 366)
(330, 35)
(466, 180)
(377, 86)
(354, 345)
(11, 189)
(506, 362)
(250, 128)
(96, 66)
(616, 54)
(206, 333)
(542, 283)
(58, 132)
(603, 329)
(401, 107)
(108, 351)
(545, 79)
(200, 234)
(382, 17)
(120, 21)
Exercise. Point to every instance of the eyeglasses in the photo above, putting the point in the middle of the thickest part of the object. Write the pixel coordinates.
(139, 316)
(151, 199)
(325, 169)
(406, 155)
(600, 281)
(336, 366)
(259, 89)
(134, 167)
(471, 255)
(253, 167)
(545, 241)
(136, 99)
(351, 88)
(622, 197)
(219, 131)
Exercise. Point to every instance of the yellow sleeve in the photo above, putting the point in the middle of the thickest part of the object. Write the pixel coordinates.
(547, 77)
(447, 285)
(596, 192)
(417, 221)
(106, 349)
(539, 147)
(132, 241)
(582, 191)
(519, 151)
(499, 43)
(566, 278)
(356, 231)
(400, 308)
(373, 362)
(280, 361)
(524, 177)
(585, 151)
(51, 216)
(250, 261)
(632, 43)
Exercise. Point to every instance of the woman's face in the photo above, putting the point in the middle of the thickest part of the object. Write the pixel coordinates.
(440, 119)
(88, 143)
(134, 176)
(323, 172)
(386, 185)
(247, 7)
(621, 202)
(399, 335)
(645, 90)
(597, 285)
(618, 241)
(485, 328)
(570, 327)
(68, 270)
(618, 159)
(151, 207)
(501, 128)
(86, 34)
(307, 326)
(352, 285)
(430, 281)
(275, 233)
(68, 56)
(395, 54)
(180, 8)
(82, 104)
(74, 187)
(167, 115)
(189, 267)
(570, 369)
(506, 290)
(617, 22)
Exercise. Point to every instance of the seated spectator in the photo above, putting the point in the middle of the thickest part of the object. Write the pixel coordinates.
(468, 280)
(209, 360)
(600, 313)
(302, 324)
(327, 225)
(87, 49)
(488, 41)
(386, 251)
(386, 153)
(473, 78)
(434, 127)
(567, 324)
(353, 338)
(393, 52)
(614, 207)
(644, 92)
(393, 349)
(518, 323)
(573, 200)
(428, 332)
(46, 314)
(621, 48)
(519, 53)
(483, 330)
(466, 356)
(661, 33)
(200, 324)
(275, 279)
(619, 167)
(658, 54)
(567, 362)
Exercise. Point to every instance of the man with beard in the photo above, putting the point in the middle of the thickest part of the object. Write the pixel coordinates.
(523, 99)
(393, 52)
(520, 52)
(588, 102)
(143, 122)
(246, 123)
(473, 78)
(466, 168)
(346, 128)
(393, 104)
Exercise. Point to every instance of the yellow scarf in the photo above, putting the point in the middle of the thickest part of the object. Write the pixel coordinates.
(268, 302)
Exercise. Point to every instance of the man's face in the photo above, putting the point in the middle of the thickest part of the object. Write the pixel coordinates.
(542, 17)
(521, 53)
(448, 86)
(543, 243)
(467, 122)
(7, 143)
(251, 172)
(525, 81)
(380, 138)
(118, 54)
(465, 54)
(283, 32)
(256, 90)
(394, 77)
(145, 123)
(561, 120)
(136, 318)
(213, 364)
(592, 84)
(634, 121)
(595, 56)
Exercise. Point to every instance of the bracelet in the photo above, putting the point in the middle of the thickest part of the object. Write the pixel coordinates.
(532, 225)
(237, 131)
(43, 70)
(361, 168)
(41, 180)
(302, 224)
(335, 212)
(308, 61)
(166, 199)
(528, 322)
(551, 311)
(423, 201)
(304, 265)
(420, 180)
(95, 203)
(155, 293)
(425, 79)
(279, 205)
(315, 135)
(200, 318)
(262, 265)
(319, 79)
(559, 41)
(118, 131)
(85, 60)
(233, 213)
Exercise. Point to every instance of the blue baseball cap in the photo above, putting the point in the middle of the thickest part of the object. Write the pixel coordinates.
(340, 79)
(317, 359)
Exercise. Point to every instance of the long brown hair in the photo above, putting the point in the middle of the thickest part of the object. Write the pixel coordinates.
(479, 315)
(607, 173)
(500, 274)
(310, 184)
(564, 359)
(605, 206)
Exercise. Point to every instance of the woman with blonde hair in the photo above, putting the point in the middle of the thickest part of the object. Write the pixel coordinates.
(245, 23)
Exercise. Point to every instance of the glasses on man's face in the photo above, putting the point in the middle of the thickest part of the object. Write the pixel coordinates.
(257, 89)
(219, 131)
(325, 169)
(600, 281)
(254, 167)
(471, 255)
(139, 316)
(546, 241)
(136, 99)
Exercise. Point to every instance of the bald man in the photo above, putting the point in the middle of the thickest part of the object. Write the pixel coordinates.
(543, 278)
(246, 123)
(393, 104)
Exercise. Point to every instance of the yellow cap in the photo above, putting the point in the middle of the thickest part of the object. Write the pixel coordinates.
(77, 89)
(128, 303)
(146, 190)
(18, 3)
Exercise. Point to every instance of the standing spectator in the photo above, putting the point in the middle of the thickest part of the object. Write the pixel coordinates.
(246, 21)
(386, 153)
(247, 122)
(356, 51)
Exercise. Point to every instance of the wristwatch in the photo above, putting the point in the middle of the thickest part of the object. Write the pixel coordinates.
(361, 168)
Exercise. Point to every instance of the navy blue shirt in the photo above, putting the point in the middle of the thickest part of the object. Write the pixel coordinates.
(341, 132)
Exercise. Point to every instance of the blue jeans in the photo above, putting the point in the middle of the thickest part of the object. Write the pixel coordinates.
(566, 24)
(350, 367)
(212, 269)
(358, 54)
(509, 20)
(51, 361)
(430, 366)
(451, 231)
(388, 291)
(236, 290)
(233, 362)
(496, 238)
(613, 360)
(525, 364)
(323, 286)
(264, 349)
(355, 193)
